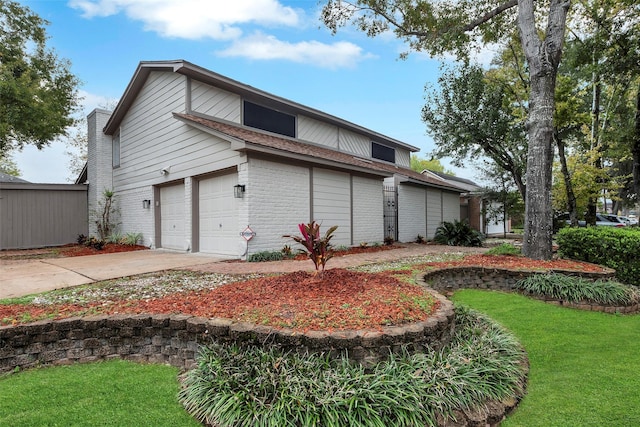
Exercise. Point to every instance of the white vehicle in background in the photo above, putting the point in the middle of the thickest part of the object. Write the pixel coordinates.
(629, 220)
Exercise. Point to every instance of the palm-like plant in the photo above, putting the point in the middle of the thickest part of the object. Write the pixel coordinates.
(458, 233)
(317, 248)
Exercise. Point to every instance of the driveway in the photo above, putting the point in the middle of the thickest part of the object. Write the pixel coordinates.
(19, 278)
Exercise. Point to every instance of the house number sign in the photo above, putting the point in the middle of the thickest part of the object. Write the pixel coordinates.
(248, 233)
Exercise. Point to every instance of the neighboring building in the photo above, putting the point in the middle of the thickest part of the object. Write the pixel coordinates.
(474, 207)
(4, 177)
(195, 158)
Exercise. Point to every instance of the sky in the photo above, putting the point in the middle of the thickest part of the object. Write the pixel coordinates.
(275, 45)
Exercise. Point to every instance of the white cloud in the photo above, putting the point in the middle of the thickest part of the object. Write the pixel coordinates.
(195, 19)
(261, 46)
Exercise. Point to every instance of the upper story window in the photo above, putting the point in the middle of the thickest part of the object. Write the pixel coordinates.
(382, 152)
(115, 149)
(264, 118)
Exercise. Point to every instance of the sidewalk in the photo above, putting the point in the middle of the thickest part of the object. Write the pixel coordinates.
(19, 278)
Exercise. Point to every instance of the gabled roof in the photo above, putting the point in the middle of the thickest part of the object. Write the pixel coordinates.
(247, 92)
(464, 183)
(10, 178)
(243, 138)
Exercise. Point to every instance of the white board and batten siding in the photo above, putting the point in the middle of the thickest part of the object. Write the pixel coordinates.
(332, 203)
(368, 205)
(172, 218)
(434, 211)
(219, 231)
(411, 213)
(450, 206)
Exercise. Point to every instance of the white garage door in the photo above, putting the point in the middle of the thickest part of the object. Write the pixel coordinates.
(219, 232)
(332, 203)
(172, 217)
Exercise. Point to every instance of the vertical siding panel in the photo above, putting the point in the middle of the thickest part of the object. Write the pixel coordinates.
(38, 215)
(434, 212)
(450, 206)
(368, 215)
(411, 213)
(332, 203)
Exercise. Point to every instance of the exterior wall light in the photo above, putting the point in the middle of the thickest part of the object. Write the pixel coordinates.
(238, 191)
(146, 204)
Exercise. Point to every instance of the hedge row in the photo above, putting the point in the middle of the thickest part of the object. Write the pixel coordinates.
(617, 248)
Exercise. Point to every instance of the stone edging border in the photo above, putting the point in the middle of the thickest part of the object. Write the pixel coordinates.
(175, 339)
(449, 279)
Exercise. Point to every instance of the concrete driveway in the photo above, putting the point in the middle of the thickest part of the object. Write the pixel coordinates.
(19, 278)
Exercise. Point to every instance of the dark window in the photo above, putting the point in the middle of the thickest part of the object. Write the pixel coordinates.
(264, 118)
(382, 152)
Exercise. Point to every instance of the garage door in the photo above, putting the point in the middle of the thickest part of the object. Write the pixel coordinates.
(172, 213)
(219, 232)
(332, 203)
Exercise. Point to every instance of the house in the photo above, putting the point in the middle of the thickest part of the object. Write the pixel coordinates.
(202, 163)
(483, 214)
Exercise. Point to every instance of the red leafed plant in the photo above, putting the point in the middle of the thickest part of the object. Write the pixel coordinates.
(318, 248)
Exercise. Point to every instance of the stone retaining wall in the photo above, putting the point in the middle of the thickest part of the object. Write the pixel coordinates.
(448, 280)
(175, 339)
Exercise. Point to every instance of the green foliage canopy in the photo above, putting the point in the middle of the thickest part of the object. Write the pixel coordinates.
(38, 92)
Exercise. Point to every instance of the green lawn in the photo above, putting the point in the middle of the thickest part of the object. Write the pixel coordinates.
(115, 393)
(585, 366)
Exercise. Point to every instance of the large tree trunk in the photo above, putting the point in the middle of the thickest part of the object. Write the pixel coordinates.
(543, 57)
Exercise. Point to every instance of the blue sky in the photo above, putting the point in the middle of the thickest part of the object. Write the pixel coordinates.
(277, 46)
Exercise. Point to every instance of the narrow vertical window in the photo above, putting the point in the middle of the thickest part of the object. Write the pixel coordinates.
(115, 146)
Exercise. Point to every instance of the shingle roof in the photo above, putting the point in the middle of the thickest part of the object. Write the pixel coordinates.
(10, 178)
(290, 146)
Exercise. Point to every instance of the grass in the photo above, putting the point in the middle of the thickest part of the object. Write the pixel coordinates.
(115, 393)
(584, 365)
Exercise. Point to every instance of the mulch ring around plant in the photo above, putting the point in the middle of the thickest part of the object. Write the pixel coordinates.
(334, 300)
(67, 251)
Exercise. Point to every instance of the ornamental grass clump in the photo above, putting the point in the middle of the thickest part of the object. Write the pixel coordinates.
(576, 289)
(241, 386)
(317, 248)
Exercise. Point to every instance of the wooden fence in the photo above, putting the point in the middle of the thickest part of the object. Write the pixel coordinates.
(40, 215)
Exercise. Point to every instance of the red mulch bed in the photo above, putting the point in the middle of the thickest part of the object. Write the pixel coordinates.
(109, 248)
(519, 263)
(334, 300)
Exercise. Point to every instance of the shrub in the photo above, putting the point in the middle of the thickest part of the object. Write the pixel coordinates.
(265, 256)
(504, 249)
(389, 240)
(287, 252)
(81, 239)
(420, 238)
(114, 238)
(131, 239)
(241, 386)
(317, 248)
(577, 289)
(95, 243)
(613, 247)
(458, 233)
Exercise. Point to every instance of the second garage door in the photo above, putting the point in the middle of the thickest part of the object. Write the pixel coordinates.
(219, 232)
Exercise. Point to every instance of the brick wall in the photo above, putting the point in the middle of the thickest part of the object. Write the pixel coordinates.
(99, 164)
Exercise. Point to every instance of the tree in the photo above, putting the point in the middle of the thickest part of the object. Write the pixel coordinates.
(8, 165)
(471, 117)
(38, 93)
(418, 165)
(439, 27)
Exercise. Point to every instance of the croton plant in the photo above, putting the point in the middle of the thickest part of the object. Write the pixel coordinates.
(317, 248)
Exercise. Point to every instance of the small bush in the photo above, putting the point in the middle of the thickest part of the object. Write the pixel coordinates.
(81, 239)
(613, 247)
(95, 243)
(242, 386)
(576, 289)
(265, 256)
(115, 238)
(505, 249)
(389, 240)
(458, 233)
(420, 238)
(131, 239)
(287, 252)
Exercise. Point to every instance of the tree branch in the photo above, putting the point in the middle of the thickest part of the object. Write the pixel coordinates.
(490, 15)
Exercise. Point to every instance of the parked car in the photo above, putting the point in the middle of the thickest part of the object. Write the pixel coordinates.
(630, 221)
(607, 220)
